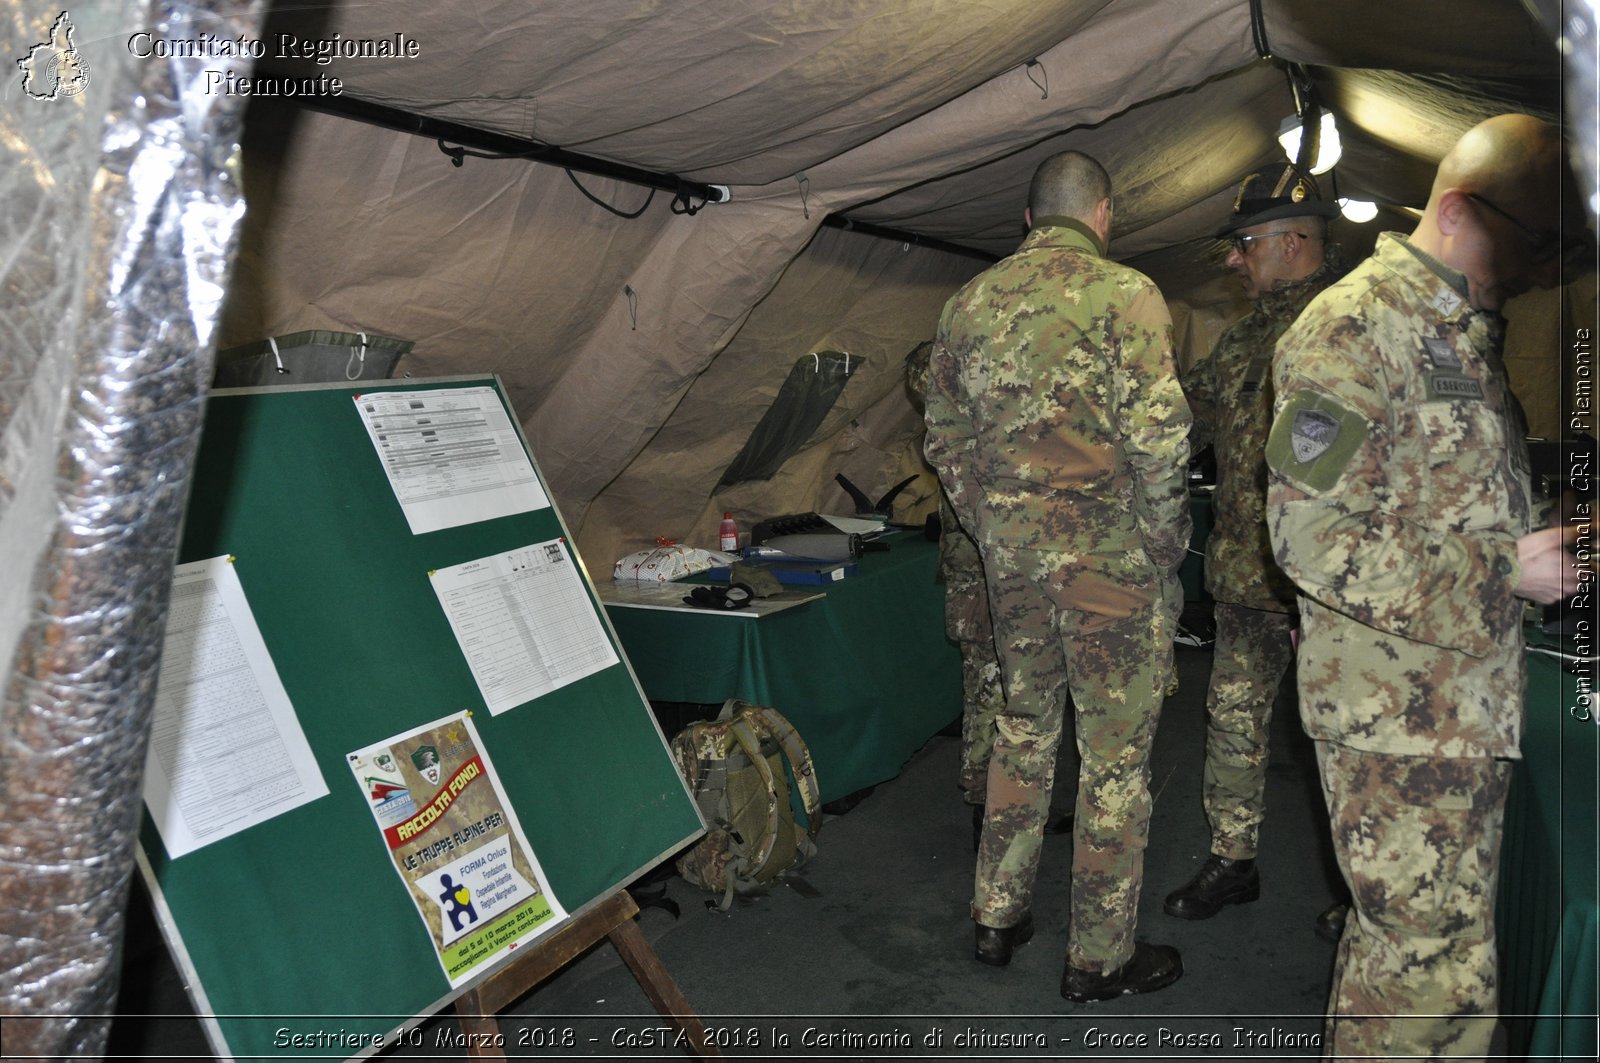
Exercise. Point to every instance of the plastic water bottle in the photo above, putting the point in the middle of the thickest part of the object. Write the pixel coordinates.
(728, 536)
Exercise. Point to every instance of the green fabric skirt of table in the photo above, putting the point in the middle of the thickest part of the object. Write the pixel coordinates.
(1548, 919)
(1193, 571)
(865, 674)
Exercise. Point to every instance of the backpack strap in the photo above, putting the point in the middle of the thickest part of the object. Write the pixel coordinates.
(750, 742)
(794, 748)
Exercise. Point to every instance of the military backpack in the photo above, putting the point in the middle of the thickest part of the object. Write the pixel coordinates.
(734, 766)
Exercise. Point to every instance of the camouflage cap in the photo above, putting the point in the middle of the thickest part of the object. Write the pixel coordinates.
(1277, 191)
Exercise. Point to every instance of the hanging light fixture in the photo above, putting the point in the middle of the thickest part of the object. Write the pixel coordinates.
(1358, 210)
(1328, 149)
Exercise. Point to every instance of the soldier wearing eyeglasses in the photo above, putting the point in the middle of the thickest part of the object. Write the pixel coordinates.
(1279, 248)
(1399, 502)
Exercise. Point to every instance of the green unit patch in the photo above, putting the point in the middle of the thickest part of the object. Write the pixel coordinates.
(1313, 439)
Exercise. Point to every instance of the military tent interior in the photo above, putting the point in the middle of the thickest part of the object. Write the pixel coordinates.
(642, 352)
(644, 216)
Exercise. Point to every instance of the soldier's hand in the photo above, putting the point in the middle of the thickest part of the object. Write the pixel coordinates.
(1549, 571)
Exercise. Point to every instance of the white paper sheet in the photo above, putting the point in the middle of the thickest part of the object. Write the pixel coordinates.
(524, 622)
(866, 527)
(452, 456)
(226, 749)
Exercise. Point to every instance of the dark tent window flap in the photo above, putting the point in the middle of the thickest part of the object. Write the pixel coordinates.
(316, 356)
(813, 386)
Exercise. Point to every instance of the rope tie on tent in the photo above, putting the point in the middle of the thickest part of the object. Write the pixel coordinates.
(358, 358)
(1258, 30)
(458, 154)
(1044, 86)
(633, 306)
(276, 357)
(683, 201)
(805, 193)
(816, 362)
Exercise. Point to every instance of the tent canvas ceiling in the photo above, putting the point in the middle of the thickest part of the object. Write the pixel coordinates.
(641, 352)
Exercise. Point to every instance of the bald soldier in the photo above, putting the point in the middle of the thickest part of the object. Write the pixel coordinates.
(1399, 503)
(1278, 234)
(1059, 432)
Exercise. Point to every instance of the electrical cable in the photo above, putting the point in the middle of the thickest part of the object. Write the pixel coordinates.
(690, 196)
(1258, 30)
(597, 201)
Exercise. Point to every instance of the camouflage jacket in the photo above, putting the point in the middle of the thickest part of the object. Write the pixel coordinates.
(1055, 419)
(966, 600)
(1230, 394)
(1398, 488)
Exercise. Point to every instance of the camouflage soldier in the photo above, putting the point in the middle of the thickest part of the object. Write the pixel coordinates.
(966, 623)
(1059, 431)
(1279, 235)
(1399, 503)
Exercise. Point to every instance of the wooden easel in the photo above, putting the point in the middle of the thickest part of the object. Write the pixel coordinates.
(479, 1007)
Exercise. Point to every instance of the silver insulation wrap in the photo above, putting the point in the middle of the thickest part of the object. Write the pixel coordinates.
(122, 204)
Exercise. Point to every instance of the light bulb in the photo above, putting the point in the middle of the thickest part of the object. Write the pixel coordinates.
(1328, 149)
(1358, 210)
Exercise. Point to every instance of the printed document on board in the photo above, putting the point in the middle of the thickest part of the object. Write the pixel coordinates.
(226, 749)
(455, 842)
(524, 622)
(452, 456)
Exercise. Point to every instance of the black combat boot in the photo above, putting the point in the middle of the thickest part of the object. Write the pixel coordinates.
(1220, 881)
(1330, 924)
(1151, 967)
(995, 943)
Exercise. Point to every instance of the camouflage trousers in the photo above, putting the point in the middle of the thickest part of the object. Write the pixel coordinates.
(1418, 841)
(1251, 655)
(966, 622)
(981, 701)
(1102, 634)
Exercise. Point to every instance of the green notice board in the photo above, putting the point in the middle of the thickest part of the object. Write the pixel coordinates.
(296, 935)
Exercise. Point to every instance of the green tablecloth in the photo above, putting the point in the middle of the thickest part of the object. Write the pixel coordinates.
(865, 674)
(1549, 905)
